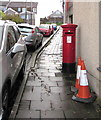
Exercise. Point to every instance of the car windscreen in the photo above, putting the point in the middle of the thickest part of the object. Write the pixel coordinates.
(1, 34)
(25, 29)
(46, 27)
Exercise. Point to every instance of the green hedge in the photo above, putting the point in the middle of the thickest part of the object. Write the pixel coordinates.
(14, 18)
(1, 14)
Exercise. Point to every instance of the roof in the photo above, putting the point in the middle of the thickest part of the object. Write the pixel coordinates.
(19, 4)
(3, 3)
(56, 14)
(10, 10)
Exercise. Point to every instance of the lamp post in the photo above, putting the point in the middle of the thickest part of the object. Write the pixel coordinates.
(64, 12)
(31, 12)
(8, 4)
(26, 11)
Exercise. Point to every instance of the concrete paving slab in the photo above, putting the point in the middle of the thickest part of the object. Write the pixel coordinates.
(54, 71)
(31, 78)
(40, 105)
(64, 83)
(56, 105)
(43, 89)
(52, 114)
(24, 105)
(50, 83)
(58, 89)
(42, 70)
(31, 96)
(28, 114)
(42, 78)
(79, 114)
(66, 97)
(33, 83)
(50, 97)
(56, 78)
(28, 89)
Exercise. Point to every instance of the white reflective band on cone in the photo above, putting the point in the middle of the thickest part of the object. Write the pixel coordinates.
(78, 71)
(83, 78)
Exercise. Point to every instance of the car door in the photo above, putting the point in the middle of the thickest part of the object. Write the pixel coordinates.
(19, 57)
(16, 60)
(9, 47)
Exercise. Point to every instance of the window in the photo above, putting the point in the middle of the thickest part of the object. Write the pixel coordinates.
(17, 32)
(1, 35)
(23, 9)
(11, 39)
(19, 9)
(34, 10)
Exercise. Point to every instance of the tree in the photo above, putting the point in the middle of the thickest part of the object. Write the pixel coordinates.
(1, 14)
(14, 18)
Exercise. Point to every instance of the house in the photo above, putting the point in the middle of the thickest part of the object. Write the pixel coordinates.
(3, 5)
(87, 15)
(10, 11)
(23, 8)
(28, 16)
(56, 17)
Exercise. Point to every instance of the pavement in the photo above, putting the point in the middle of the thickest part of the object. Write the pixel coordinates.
(47, 92)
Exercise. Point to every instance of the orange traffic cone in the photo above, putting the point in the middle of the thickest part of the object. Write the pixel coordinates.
(84, 94)
(77, 84)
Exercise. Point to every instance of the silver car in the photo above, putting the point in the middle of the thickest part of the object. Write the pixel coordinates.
(33, 35)
(12, 56)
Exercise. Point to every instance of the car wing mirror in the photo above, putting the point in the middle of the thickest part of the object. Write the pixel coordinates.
(17, 48)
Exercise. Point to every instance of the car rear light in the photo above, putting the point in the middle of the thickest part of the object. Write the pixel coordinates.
(32, 31)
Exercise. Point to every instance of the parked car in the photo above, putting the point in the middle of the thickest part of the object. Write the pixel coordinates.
(33, 36)
(45, 29)
(12, 58)
(25, 28)
(54, 26)
(52, 29)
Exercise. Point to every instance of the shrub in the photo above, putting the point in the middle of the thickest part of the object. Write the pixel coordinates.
(14, 18)
(1, 14)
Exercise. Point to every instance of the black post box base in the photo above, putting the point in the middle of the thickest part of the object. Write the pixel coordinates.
(68, 68)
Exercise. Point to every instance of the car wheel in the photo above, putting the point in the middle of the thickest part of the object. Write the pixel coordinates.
(5, 101)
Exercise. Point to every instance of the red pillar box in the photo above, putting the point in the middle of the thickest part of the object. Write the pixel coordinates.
(69, 37)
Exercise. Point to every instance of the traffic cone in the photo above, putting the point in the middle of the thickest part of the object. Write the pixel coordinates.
(77, 84)
(84, 94)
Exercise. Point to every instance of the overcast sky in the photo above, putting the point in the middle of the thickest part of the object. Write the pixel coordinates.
(45, 7)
